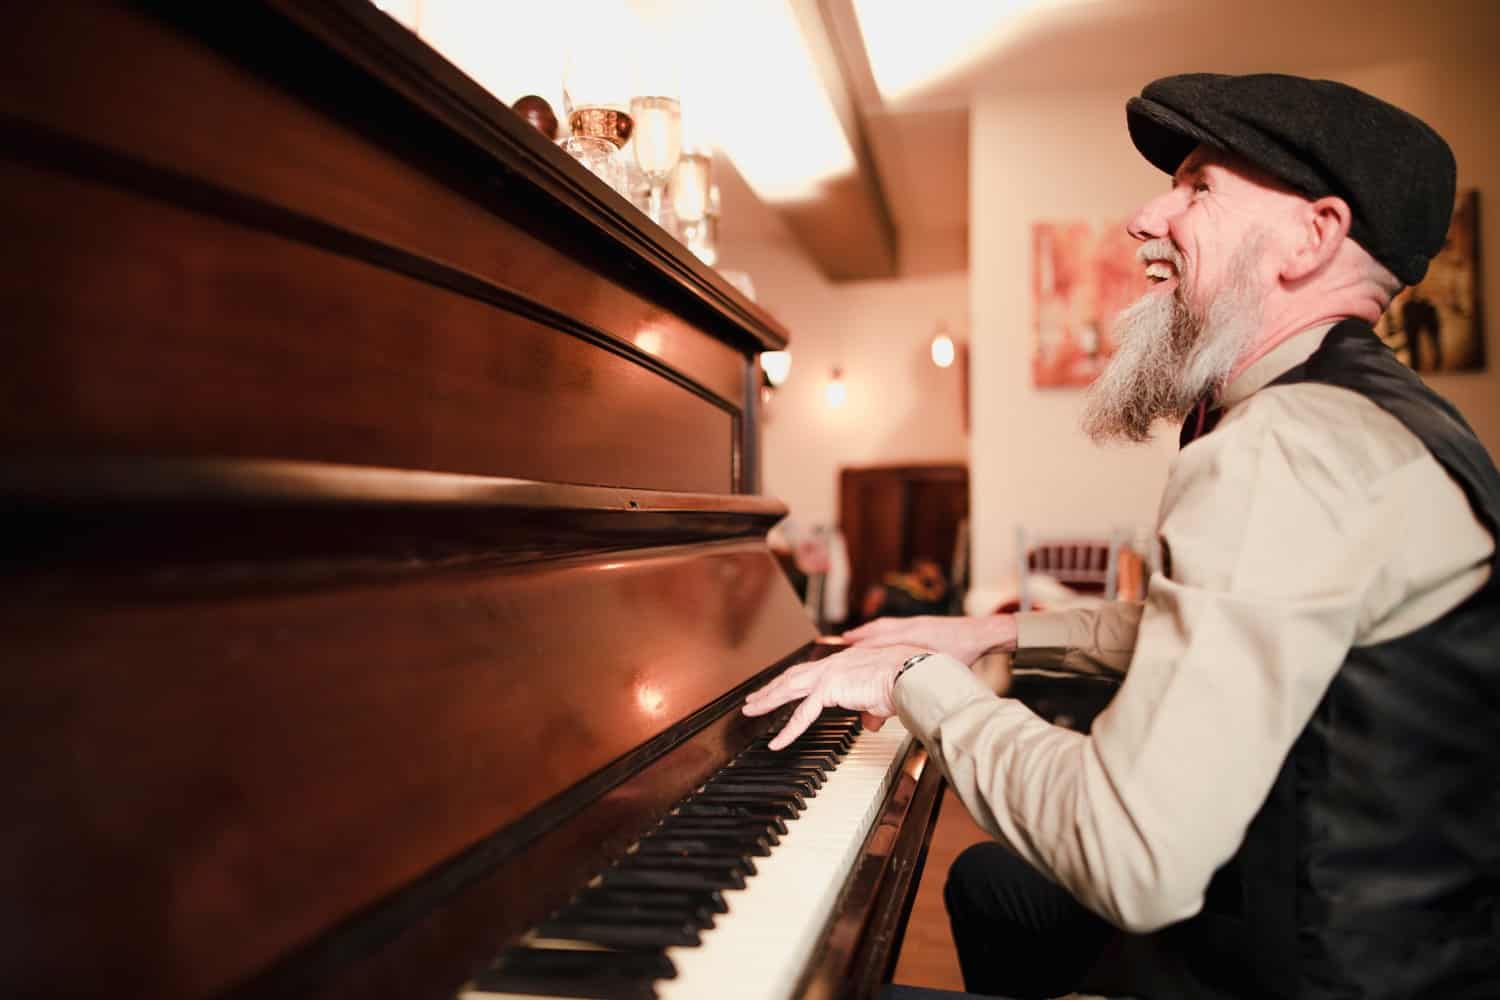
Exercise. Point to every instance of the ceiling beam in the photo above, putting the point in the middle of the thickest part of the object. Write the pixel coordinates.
(848, 230)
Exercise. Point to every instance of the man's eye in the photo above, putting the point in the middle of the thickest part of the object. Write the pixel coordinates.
(1199, 187)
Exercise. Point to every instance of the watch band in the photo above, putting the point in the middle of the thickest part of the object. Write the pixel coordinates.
(911, 661)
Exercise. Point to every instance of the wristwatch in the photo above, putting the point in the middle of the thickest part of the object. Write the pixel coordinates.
(911, 661)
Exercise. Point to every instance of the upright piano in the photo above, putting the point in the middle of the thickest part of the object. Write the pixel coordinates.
(384, 559)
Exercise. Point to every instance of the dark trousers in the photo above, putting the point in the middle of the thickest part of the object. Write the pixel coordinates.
(1018, 935)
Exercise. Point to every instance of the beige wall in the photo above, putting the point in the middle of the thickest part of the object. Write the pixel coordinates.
(901, 407)
(1066, 155)
(1033, 158)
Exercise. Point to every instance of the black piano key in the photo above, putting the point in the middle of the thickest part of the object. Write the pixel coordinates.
(725, 861)
(567, 972)
(711, 810)
(801, 785)
(810, 739)
(825, 761)
(764, 792)
(753, 845)
(647, 878)
(697, 916)
(685, 901)
(836, 741)
(812, 775)
(838, 728)
(726, 784)
(796, 767)
(778, 792)
(810, 736)
(786, 810)
(762, 774)
(783, 764)
(826, 755)
(838, 744)
(709, 826)
(619, 933)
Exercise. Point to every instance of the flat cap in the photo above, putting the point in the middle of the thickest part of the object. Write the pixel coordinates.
(1320, 138)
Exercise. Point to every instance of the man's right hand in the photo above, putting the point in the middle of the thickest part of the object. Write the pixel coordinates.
(964, 639)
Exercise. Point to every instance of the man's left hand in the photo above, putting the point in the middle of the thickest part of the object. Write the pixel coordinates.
(858, 678)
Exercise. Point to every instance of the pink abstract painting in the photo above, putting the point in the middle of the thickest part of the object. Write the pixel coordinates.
(1081, 276)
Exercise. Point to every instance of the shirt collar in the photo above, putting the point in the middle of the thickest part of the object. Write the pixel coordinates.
(1280, 359)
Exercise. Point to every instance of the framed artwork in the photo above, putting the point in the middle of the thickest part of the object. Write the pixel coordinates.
(1437, 325)
(1081, 276)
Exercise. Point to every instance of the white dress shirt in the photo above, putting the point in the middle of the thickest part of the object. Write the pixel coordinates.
(1308, 522)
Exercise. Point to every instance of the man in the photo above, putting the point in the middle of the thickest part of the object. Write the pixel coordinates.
(1294, 792)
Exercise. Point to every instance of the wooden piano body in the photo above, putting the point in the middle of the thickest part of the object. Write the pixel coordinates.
(381, 541)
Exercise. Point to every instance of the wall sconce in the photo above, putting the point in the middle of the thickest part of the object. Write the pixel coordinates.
(776, 365)
(944, 351)
(774, 368)
(835, 392)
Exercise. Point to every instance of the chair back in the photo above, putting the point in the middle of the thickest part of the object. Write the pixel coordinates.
(1085, 564)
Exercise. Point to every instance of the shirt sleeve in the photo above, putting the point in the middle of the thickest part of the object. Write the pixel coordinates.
(1094, 640)
(1276, 544)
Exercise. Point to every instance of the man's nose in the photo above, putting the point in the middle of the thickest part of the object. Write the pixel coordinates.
(1150, 220)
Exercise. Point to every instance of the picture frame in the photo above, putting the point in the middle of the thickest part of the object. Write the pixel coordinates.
(1437, 325)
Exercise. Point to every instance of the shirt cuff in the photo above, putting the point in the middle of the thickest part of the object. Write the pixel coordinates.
(932, 690)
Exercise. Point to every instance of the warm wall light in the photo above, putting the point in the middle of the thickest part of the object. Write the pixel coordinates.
(777, 365)
(835, 392)
(943, 349)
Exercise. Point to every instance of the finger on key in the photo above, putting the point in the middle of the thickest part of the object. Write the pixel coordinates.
(780, 691)
(804, 716)
(767, 690)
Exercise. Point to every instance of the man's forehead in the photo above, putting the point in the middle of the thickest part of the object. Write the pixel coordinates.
(1204, 157)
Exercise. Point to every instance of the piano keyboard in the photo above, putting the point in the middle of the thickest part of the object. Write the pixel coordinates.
(729, 895)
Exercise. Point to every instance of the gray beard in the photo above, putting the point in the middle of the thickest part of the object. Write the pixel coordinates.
(1170, 354)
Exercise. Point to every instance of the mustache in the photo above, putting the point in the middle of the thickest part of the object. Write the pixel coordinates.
(1160, 248)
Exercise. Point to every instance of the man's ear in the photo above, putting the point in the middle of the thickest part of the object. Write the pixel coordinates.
(1322, 226)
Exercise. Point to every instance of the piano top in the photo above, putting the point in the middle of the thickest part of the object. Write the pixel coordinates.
(317, 222)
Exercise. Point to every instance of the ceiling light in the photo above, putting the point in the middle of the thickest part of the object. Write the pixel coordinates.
(751, 88)
(907, 54)
(749, 84)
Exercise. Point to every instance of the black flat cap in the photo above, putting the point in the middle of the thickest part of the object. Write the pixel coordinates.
(1319, 137)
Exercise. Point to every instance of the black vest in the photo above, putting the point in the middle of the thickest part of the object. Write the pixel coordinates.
(1373, 868)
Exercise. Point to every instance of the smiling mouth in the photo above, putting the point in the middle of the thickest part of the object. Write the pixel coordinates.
(1159, 271)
